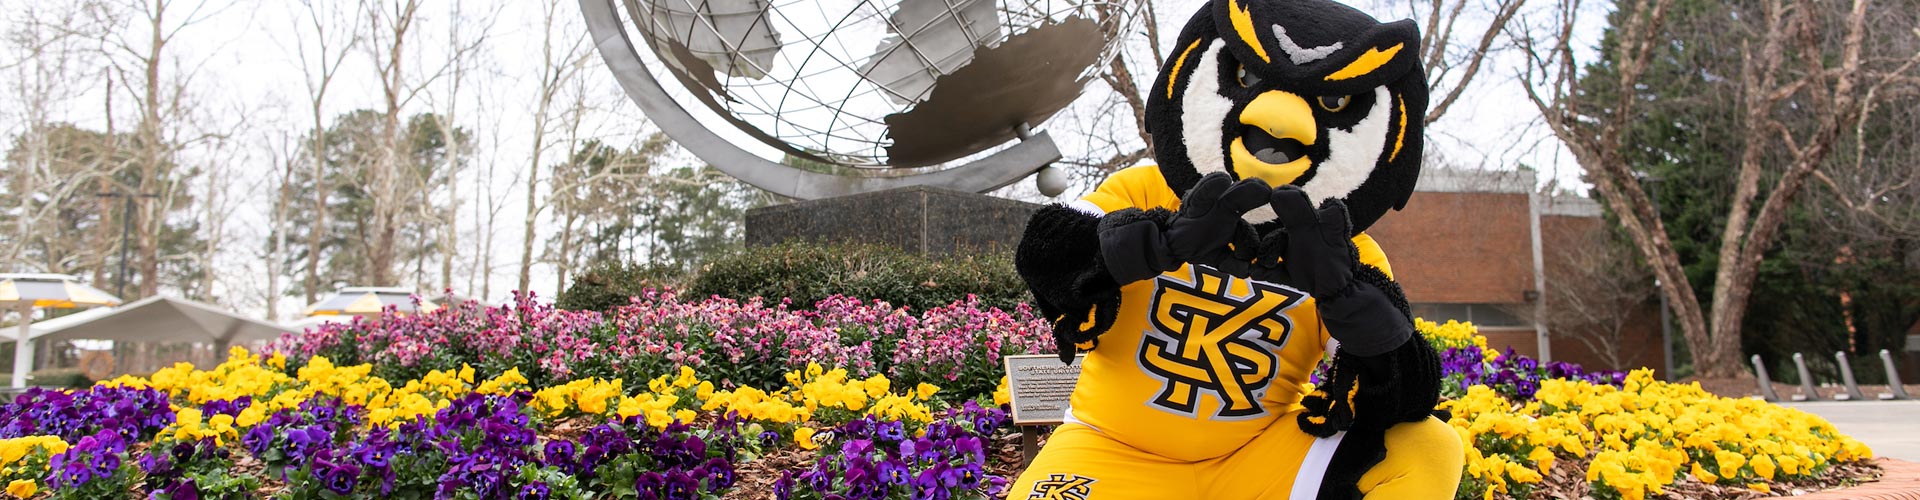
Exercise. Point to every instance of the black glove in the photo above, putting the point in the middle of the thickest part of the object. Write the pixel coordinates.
(1133, 244)
(1211, 216)
(1140, 244)
(1320, 259)
(1315, 247)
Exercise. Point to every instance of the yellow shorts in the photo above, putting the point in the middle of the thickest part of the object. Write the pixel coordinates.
(1423, 461)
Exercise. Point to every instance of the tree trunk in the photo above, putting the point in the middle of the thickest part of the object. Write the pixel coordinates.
(276, 260)
(380, 268)
(152, 153)
(1634, 210)
(533, 211)
(310, 286)
(1743, 247)
(449, 225)
(148, 248)
(566, 258)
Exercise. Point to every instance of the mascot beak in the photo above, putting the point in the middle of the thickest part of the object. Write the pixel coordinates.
(1277, 129)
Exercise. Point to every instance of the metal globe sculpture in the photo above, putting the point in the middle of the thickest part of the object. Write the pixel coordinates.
(861, 95)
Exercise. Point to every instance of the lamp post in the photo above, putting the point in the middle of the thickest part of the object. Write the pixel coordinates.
(126, 232)
(1666, 321)
(1541, 336)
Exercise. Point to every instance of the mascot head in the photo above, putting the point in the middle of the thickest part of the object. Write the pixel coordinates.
(1304, 92)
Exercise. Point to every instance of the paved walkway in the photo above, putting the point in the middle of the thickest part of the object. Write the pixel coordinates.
(1891, 428)
(1901, 482)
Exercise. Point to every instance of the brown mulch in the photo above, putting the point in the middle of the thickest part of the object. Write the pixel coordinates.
(1837, 476)
(1004, 457)
(756, 477)
(270, 484)
(571, 429)
(1568, 480)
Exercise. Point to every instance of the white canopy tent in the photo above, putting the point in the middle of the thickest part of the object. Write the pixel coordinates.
(165, 320)
(41, 328)
(311, 322)
(28, 291)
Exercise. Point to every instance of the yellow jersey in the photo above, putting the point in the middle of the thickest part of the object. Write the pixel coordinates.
(1198, 362)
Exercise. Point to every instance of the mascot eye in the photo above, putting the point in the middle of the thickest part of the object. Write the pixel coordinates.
(1335, 103)
(1248, 79)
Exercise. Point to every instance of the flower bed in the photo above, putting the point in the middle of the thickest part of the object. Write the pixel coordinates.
(734, 343)
(246, 429)
(669, 398)
(1558, 430)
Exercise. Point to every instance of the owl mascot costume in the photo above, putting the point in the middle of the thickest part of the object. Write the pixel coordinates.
(1205, 290)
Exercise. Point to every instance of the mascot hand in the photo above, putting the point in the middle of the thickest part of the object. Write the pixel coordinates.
(1318, 256)
(1140, 244)
(1211, 217)
(1320, 259)
(1133, 244)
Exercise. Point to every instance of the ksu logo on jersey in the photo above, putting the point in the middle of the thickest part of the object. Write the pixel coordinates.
(1215, 335)
(1062, 487)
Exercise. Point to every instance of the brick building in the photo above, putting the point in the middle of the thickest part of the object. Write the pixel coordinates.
(1463, 249)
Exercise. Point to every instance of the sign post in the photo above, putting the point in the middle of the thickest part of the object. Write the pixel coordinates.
(1038, 389)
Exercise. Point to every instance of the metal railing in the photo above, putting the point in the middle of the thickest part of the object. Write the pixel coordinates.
(1809, 392)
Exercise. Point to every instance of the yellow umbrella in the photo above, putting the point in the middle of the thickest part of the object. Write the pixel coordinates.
(369, 301)
(30, 291)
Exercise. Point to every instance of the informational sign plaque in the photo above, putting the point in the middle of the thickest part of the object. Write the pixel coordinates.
(1039, 387)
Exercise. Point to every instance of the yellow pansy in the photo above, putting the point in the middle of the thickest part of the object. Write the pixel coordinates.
(1703, 475)
(1640, 436)
(1763, 466)
(804, 438)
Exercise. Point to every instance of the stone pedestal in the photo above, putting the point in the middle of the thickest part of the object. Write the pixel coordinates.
(926, 220)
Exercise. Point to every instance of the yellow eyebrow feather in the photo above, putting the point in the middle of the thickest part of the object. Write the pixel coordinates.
(1243, 26)
(1366, 63)
(1401, 137)
(1174, 77)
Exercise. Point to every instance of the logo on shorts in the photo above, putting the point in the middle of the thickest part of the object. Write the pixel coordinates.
(1062, 487)
(1210, 337)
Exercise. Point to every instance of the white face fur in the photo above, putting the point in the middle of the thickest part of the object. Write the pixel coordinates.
(1354, 151)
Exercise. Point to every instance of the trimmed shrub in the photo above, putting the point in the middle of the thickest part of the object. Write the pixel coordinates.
(608, 286)
(808, 273)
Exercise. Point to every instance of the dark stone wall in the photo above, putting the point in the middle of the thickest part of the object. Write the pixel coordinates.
(927, 220)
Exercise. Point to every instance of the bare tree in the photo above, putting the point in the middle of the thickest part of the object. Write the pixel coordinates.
(564, 54)
(1599, 283)
(158, 84)
(327, 34)
(488, 224)
(464, 50)
(215, 206)
(1784, 62)
(282, 156)
(46, 45)
(1449, 57)
(1875, 192)
(390, 25)
(600, 184)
